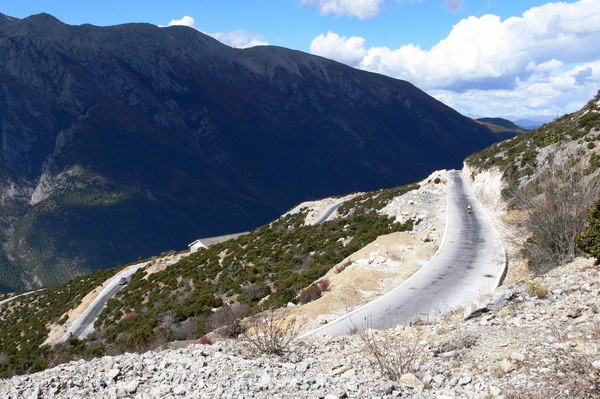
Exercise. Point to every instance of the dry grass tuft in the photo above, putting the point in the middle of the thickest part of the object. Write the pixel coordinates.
(537, 289)
(266, 334)
(391, 355)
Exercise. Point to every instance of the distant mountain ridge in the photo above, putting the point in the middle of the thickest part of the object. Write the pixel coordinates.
(505, 123)
(532, 122)
(124, 141)
(502, 128)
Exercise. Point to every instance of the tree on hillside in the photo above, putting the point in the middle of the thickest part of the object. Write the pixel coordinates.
(589, 239)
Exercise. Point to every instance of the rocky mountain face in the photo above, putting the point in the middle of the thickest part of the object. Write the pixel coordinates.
(124, 141)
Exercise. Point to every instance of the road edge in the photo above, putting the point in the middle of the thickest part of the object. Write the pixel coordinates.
(347, 315)
(502, 275)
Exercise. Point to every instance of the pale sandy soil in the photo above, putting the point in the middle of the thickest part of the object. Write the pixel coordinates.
(386, 262)
(57, 331)
(316, 208)
(160, 264)
(517, 270)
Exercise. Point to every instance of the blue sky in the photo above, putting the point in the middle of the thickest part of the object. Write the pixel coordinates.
(284, 22)
(472, 54)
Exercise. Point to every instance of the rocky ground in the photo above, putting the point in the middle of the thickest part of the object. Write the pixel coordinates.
(537, 339)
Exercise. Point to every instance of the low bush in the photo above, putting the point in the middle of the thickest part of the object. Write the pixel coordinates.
(595, 330)
(537, 289)
(324, 284)
(461, 341)
(205, 340)
(554, 208)
(391, 355)
(227, 320)
(266, 334)
(309, 294)
(558, 334)
(581, 378)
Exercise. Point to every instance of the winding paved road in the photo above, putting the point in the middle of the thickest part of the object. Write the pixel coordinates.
(84, 324)
(326, 214)
(469, 262)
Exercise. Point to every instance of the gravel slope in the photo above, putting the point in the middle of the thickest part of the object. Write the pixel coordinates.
(526, 348)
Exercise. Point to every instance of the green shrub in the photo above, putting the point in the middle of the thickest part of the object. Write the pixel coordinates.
(589, 239)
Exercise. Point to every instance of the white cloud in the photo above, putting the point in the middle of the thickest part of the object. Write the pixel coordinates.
(349, 50)
(185, 21)
(549, 91)
(362, 9)
(525, 54)
(237, 38)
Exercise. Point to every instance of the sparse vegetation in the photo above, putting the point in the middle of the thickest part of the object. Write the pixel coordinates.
(555, 206)
(314, 291)
(212, 289)
(575, 378)
(5, 295)
(266, 334)
(24, 326)
(578, 376)
(461, 341)
(390, 355)
(517, 157)
(271, 266)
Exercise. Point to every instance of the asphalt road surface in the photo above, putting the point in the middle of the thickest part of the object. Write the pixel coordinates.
(328, 212)
(469, 262)
(84, 324)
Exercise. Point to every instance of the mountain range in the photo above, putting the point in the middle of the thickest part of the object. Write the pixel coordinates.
(502, 128)
(124, 141)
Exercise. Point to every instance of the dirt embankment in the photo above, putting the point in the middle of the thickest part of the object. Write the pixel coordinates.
(315, 209)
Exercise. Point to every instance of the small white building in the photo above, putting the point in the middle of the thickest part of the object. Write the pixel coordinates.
(196, 246)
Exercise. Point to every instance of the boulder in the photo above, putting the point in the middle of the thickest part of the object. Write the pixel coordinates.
(488, 302)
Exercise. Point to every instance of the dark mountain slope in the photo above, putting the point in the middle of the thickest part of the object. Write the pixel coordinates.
(124, 141)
